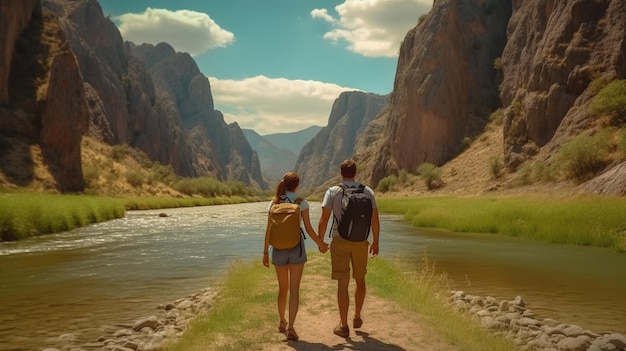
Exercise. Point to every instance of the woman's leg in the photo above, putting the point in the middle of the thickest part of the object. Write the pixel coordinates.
(282, 273)
(295, 276)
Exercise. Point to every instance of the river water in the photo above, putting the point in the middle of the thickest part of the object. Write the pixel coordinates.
(76, 283)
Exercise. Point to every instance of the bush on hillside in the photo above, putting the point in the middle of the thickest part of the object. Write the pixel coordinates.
(387, 184)
(611, 101)
(431, 175)
(496, 167)
(585, 155)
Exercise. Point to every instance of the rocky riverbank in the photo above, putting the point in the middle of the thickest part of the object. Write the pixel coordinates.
(517, 322)
(510, 318)
(148, 333)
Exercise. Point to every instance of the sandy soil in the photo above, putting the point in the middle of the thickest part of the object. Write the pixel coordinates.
(386, 326)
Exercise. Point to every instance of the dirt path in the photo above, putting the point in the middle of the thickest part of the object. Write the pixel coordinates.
(386, 326)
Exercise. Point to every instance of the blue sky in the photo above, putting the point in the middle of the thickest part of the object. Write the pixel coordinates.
(278, 65)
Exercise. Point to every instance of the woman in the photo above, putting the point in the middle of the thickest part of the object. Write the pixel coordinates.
(289, 263)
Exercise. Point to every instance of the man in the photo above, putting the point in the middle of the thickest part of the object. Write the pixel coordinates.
(346, 253)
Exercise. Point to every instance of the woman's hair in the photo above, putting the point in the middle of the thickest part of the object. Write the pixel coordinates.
(289, 182)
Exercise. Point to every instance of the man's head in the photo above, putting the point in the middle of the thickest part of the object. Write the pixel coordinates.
(348, 169)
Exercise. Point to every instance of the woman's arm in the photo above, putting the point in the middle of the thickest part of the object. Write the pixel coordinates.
(311, 232)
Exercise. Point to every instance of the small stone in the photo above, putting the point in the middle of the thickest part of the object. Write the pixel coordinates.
(150, 322)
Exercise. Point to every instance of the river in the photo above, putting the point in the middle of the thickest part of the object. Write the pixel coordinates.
(74, 284)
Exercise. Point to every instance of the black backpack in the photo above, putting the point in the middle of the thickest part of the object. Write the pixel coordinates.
(356, 213)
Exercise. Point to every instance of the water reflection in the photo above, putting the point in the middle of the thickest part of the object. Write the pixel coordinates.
(79, 281)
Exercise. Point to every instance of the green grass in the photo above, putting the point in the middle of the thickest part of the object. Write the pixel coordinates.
(425, 294)
(586, 220)
(26, 214)
(245, 303)
(244, 316)
(146, 203)
(29, 214)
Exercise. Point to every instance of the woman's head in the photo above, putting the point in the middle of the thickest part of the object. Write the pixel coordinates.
(289, 182)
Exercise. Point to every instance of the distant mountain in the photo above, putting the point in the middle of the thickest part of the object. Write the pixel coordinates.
(320, 158)
(293, 141)
(86, 81)
(278, 153)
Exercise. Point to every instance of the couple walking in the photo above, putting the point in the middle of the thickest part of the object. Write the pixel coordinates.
(346, 254)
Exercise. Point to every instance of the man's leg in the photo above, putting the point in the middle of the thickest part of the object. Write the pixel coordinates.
(359, 268)
(359, 297)
(343, 300)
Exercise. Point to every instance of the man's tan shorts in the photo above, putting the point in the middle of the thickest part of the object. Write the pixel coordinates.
(343, 253)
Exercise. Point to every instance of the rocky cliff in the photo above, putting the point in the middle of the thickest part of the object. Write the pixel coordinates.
(320, 158)
(535, 59)
(445, 85)
(15, 16)
(42, 96)
(555, 49)
(151, 98)
(184, 96)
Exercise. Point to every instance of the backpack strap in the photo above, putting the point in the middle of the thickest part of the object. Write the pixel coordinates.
(296, 201)
(343, 188)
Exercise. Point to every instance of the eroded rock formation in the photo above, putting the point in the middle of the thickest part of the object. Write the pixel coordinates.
(555, 49)
(320, 158)
(445, 84)
(157, 101)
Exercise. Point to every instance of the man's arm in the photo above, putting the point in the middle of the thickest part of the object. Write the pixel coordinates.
(323, 222)
(375, 232)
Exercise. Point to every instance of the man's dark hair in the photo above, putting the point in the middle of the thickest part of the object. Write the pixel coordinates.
(348, 169)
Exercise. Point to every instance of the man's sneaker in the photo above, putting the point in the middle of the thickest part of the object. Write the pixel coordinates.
(357, 322)
(342, 331)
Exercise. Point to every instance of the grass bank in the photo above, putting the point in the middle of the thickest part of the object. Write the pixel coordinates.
(23, 215)
(29, 214)
(244, 317)
(585, 220)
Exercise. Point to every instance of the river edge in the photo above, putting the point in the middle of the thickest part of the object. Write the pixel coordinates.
(511, 319)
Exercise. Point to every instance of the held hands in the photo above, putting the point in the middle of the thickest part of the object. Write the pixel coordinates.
(322, 246)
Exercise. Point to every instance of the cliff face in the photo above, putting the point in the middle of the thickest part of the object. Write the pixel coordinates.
(320, 158)
(215, 147)
(15, 16)
(555, 49)
(445, 85)
(43, 113)
(157, 101)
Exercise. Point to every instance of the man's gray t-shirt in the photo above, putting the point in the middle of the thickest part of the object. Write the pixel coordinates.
(332, 200)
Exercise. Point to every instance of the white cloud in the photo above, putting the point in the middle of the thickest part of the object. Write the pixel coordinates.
(274, 105)
(187, 31)
(374, 28)
(323, 14)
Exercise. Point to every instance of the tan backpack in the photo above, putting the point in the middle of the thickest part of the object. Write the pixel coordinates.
(283, 225)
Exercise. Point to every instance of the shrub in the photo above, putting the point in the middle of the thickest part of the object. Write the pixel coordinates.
(403, 177)
(496, 167)
(163, 174)
(611, 101)
(582, 157)
(134, 178)
(532, 172)
(387, 184)
(622, 142)
(497, 63)
(431, 175)
(119, 152)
